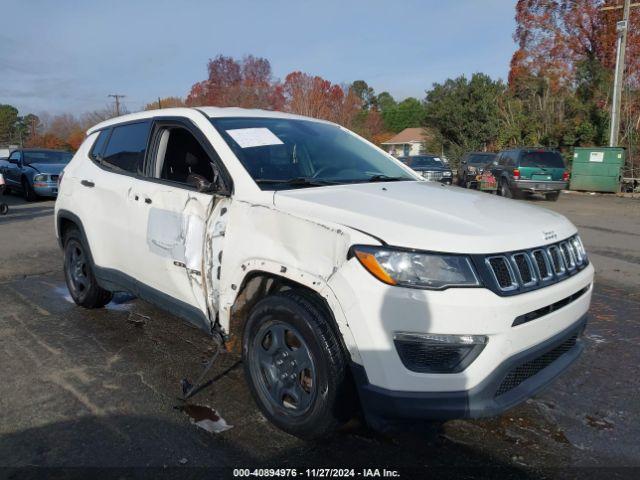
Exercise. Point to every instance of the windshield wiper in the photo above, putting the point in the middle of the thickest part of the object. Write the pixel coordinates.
(296, 181)
(385, 178)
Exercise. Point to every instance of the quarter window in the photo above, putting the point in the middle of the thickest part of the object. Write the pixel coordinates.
(98, 147)
(127, 146)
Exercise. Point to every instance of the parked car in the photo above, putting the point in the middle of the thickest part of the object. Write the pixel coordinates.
(35, 171)
(471, 167)
(430, 167)
(327, 262)
(530, 170)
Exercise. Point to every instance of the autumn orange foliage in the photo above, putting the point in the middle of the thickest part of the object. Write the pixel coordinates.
(554, 35)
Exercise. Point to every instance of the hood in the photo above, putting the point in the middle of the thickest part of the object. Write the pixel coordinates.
(52, 168)
(430, 216)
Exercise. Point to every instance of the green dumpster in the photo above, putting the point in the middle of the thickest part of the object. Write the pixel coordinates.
(597, 169)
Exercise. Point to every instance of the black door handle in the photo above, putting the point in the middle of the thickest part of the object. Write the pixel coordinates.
(88, 183)
(147, 200)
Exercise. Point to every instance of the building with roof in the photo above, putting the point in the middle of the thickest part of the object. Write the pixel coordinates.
(410, 141)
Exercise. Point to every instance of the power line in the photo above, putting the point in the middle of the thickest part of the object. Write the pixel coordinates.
(117, 96)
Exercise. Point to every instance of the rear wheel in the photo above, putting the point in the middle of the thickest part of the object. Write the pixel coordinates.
(553, 196)
(505, 191)
(27, 191)
(295, 366)
(81, 282)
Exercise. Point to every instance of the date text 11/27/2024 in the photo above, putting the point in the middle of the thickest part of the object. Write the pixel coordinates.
(317, 472)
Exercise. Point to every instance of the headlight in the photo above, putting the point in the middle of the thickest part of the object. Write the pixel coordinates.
(446, 174)
(472, 169)
(416, 269)
(41, 177)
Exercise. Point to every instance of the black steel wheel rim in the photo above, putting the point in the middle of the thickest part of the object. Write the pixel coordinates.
(282, 369)
(77, 268)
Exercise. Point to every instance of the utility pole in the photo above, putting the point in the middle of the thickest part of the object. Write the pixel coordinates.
(159, 103)
(622, 27)
(117, 96)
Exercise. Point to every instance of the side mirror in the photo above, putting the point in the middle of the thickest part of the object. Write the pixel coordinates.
(464, 162)
(15, 161)
(200, 183)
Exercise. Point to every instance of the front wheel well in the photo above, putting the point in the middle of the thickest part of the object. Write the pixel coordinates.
(64, 224)
(258, 285)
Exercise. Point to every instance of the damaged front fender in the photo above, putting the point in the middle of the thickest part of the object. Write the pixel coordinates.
(261, 240)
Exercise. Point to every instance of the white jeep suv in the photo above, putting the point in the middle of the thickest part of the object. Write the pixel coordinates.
(341, 275)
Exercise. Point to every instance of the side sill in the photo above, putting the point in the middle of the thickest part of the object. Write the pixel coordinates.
(114, 280)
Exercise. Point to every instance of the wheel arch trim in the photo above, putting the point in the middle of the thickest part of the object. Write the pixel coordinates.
(233, 322)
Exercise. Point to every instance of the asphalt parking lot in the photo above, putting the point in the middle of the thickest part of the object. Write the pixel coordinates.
(99, 388)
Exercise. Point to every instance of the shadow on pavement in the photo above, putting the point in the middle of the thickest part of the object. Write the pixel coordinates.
(148, 446)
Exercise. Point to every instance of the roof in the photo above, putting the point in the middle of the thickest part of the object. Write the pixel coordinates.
(409, 135)
(211, 112)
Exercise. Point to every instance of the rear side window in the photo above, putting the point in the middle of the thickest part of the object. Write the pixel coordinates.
(127, 146)
(98, 147)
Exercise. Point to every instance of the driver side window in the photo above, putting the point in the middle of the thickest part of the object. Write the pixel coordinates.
(181, 158)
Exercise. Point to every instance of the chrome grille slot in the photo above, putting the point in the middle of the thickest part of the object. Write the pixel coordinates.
(568, 256)
(525, 269)
(502, 273)
(555, 257)
(578, 250)
(541, 259)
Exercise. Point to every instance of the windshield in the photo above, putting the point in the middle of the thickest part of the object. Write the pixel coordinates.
(541, 159)
(481, 159)
(425, 162)
(282, 153)
(46, 157)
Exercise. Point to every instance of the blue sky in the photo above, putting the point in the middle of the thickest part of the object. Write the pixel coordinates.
(67, 56)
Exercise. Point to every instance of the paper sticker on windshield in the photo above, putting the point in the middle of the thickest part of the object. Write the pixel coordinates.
(254, 137)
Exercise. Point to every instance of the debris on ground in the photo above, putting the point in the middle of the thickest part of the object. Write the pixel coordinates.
(205, 418)
(183, 461)
(137, 319)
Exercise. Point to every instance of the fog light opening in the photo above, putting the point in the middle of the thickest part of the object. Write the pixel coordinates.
(434, 353)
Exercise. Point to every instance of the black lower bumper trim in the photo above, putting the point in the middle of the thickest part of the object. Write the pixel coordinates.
(481, 401)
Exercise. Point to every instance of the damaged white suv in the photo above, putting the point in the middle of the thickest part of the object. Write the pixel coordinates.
(342, 276)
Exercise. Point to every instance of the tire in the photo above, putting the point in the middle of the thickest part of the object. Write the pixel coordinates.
(296, 367)
(78, 275)
(553, 196)
(4, 208)
(27, 191)
(505, 191)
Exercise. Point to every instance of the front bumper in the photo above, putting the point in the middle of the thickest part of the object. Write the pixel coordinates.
(539, 186)
(487, 398)
(375, 312)
(46, 189)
